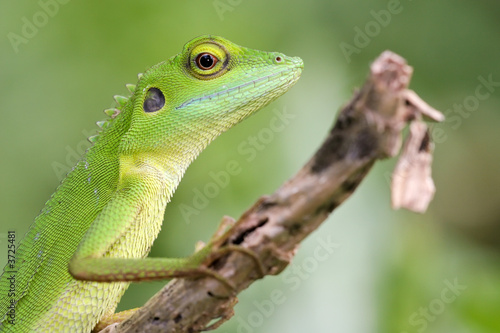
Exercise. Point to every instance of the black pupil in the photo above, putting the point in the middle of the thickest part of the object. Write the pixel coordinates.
(154, 100)
(206, 61)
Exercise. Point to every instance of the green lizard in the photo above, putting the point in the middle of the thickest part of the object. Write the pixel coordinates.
(100, 223)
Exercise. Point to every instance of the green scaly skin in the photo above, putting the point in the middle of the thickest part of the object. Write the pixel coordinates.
(103, 218)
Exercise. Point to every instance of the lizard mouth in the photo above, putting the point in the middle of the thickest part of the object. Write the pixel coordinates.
(283, 85)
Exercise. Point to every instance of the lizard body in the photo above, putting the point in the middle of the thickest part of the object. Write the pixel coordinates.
(91, 238)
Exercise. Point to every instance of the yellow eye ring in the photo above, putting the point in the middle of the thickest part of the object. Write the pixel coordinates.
(207, 60)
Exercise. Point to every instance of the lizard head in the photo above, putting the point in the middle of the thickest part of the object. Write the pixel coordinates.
(182, 104)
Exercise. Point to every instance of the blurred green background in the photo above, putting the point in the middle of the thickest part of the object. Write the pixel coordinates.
(390, 271)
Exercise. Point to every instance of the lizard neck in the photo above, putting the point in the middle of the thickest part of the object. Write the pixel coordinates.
(165, 169)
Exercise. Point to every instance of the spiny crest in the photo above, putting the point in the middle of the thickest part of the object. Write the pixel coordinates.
(114, 112)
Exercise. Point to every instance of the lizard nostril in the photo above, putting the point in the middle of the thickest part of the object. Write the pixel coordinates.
(278, 59)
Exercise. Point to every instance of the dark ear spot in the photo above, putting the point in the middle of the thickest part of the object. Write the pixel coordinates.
(154, 100)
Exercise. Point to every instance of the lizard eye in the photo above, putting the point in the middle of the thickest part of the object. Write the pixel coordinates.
(154, 100)
(206, 61)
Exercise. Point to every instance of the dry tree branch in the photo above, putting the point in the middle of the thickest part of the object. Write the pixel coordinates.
(368, 128)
